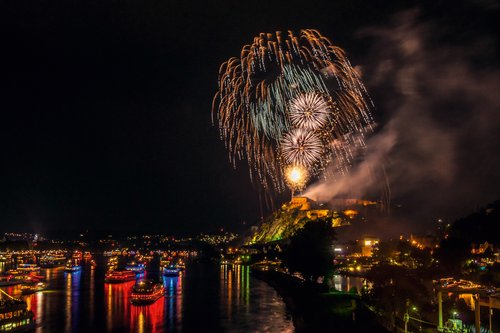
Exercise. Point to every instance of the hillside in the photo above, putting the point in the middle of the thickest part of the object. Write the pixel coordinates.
(292, 216)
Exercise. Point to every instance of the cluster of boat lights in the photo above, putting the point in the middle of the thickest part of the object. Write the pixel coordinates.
(26, 274)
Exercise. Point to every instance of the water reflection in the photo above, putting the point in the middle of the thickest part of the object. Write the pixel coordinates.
(346, 283)
(205, 297)
(148, 318)
(72, 291)
(117, 296)
(250, 305)
(173, 293)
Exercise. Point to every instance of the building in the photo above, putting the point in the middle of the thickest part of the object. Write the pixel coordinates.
(367, 245)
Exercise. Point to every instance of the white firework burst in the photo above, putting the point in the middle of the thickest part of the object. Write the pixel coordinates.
(301, 147)
(309, 110)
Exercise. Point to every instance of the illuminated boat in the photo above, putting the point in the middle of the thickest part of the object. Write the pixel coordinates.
(112, 263)
(72, 268)
(33, 287)
(8, 280)
(171, 270)
(136, 268)
(180, 265)
(119, 276)
(165, 261)
(77, 255)
(5, 257)
(53, 260)
(146, 292)
(16, 275)
(87, 255)
(28, 268)
(14, 316)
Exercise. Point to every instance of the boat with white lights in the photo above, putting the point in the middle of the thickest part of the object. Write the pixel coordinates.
(146, 292)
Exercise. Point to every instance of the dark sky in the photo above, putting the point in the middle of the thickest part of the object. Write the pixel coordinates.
(105, 105)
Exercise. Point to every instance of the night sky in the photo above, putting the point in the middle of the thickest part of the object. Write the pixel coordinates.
(106, 108)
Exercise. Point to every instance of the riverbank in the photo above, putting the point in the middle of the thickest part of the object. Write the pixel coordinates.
(316, 311)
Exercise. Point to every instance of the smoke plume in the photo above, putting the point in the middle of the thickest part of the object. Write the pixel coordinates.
(439, 105)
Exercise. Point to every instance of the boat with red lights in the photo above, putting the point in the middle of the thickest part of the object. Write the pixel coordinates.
(146, 292)
(119, 276)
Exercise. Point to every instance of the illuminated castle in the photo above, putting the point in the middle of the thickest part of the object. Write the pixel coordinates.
(304, 204)
(292, 216)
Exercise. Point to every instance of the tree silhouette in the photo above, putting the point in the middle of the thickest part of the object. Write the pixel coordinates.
(310, 250)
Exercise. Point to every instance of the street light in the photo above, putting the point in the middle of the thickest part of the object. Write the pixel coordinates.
(414, 308)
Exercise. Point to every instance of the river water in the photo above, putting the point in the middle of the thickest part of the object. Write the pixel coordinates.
(204, 298)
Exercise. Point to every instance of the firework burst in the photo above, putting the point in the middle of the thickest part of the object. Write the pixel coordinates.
(309, 111)
(284, 100)
(301, 147)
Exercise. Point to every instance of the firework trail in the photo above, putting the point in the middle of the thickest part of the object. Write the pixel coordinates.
(286, 102)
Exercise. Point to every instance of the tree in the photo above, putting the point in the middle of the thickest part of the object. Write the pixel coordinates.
(452, 253)
(310, 250)
(385, 250)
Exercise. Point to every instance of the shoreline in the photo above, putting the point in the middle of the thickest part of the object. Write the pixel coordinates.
(313, 310)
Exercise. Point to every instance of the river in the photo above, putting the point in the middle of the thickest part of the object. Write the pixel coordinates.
(204, 298)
